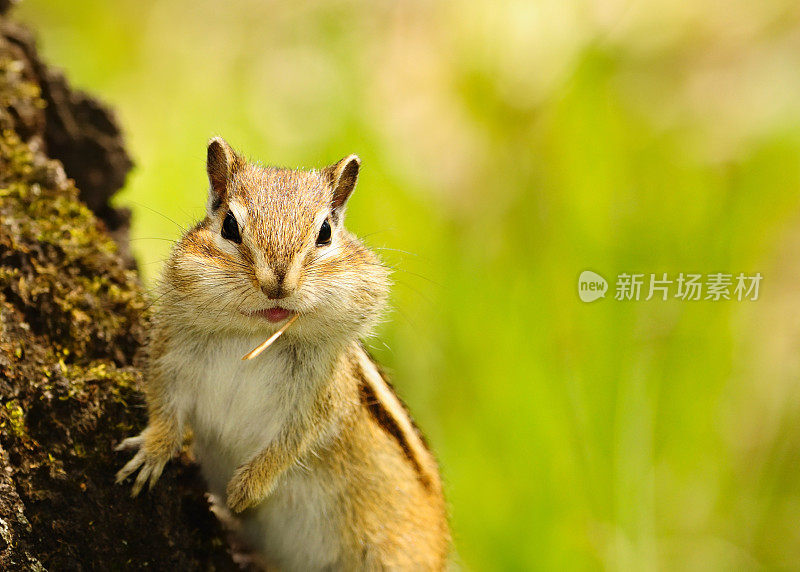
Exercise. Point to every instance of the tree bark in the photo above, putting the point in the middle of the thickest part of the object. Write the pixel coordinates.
(72, 318)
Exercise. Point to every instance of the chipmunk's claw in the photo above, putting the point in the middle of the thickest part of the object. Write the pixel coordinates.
(130, 444)
(149, 466)
(131, 466)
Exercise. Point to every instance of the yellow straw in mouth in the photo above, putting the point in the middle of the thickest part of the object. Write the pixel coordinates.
(270, 340)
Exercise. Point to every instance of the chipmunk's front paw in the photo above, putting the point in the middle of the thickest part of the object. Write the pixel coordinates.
(148, 461)
(245, 490)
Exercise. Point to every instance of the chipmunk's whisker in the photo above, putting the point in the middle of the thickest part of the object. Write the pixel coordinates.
(268, 342)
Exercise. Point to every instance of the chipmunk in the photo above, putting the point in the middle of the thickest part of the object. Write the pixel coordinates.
(307, 444)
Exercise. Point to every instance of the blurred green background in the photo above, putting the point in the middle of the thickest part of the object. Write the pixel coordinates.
(508, 146)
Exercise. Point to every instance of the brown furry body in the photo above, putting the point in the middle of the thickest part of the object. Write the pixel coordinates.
(307, 443)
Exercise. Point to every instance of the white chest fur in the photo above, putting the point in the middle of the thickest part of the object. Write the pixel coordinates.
(236, 408)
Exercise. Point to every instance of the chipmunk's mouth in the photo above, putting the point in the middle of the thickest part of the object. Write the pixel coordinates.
(273, 315)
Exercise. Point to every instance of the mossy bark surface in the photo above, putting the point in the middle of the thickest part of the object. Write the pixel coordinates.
(72, 319)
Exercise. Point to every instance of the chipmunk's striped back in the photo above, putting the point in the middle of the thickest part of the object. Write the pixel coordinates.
(391, 414)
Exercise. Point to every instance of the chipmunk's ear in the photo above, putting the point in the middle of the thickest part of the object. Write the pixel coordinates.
(342, 178)
(221, 162)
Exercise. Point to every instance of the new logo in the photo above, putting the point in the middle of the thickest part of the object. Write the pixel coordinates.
(591, 286)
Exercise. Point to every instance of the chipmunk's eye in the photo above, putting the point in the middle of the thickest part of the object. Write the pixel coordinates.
(230, 229)
(324, 236)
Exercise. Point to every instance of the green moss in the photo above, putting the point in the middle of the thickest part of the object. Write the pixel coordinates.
(73, 272)
(14, 90)
(15, 418)
(120, 382)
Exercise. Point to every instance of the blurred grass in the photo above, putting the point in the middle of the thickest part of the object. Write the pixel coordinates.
(507, 147)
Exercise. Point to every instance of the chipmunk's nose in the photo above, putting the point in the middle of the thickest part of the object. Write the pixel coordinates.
(277, 293)
(273, 284)
(275, 290)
